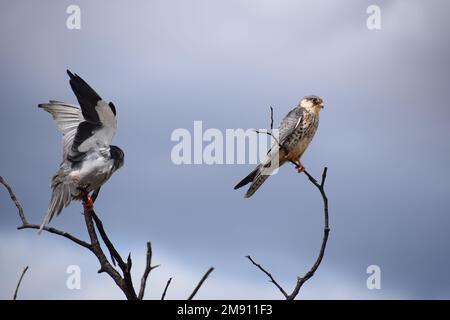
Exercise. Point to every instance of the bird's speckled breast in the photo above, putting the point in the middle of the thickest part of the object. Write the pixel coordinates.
(303, 134)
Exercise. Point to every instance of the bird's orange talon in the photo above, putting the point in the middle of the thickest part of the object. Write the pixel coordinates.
(88, 204)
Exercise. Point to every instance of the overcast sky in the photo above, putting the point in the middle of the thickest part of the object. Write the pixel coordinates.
(383, 135)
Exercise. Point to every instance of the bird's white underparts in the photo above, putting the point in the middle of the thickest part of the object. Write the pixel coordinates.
(88, 159)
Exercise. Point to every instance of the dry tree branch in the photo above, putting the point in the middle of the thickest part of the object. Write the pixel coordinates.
(326, 231)
(148, 269)
(26, 225)
(14, 199)
(18, 283)
(271, 118)
(94, 224)
(269, 275)
(165, 289)
(200, 283)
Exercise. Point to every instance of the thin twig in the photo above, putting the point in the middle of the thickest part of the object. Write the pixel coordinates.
(200, 283)
(326, 231)
(269, 275)
(57, 232)
(165, 289)
(18, 283)
(105, 266)
(271, 118)
(148, 268)
(115, 256)
(14, 199)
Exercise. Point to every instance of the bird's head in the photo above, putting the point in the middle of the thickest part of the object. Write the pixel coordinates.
(312, 103)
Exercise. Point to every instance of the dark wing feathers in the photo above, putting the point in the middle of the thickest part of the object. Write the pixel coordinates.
(86, 96)
(84, 131)
(289, 124)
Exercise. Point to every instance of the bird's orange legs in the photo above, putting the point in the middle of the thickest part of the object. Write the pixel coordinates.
(298, 165)
(88, 205)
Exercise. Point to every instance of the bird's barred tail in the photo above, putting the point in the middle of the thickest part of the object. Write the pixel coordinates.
(258, 176)
(259, 180)
(61, 198)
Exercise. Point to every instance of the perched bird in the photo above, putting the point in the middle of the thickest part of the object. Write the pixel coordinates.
(89, 159)
(296, 131)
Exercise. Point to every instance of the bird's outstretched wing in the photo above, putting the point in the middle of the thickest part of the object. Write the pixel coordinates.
(100, 122)
(67, 117)
(86, 96)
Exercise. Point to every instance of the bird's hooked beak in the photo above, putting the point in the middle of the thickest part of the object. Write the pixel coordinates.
(320, 104)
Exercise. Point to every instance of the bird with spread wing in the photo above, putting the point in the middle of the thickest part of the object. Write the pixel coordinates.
(296, 131)
(89, 159)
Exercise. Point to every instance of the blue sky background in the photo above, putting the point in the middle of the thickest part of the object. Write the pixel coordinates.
(383, 134)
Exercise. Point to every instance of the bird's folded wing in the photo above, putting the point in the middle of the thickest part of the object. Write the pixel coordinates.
(289, 123)
(67, 118)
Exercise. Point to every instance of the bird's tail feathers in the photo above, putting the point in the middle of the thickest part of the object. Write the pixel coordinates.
(249, 178)
(264, 171)
(259, 180)
(61, 198)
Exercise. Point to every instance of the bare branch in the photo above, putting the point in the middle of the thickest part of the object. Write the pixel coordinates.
(95, 194)
(20, 281)
(115, 256)
(105, 266)
(14, 199)
(326, 231)
(93, 222)
(148, 268)
(57, 232)
(26, 225)
(200, 283)
(124, 283)
(271, 118)
(269, 275)
(165, 289)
